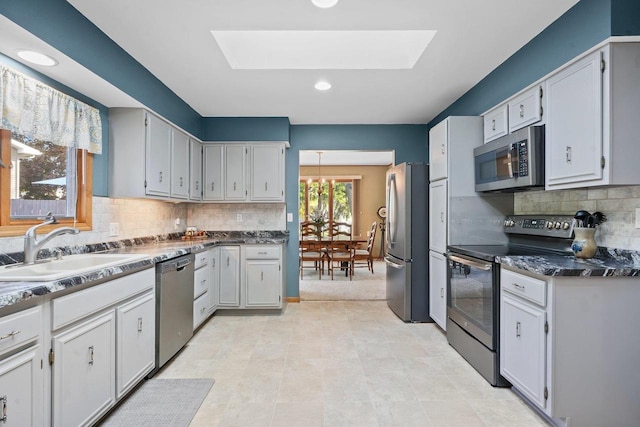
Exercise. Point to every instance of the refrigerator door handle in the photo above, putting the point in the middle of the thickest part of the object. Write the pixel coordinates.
(392, 264)
(391, 210)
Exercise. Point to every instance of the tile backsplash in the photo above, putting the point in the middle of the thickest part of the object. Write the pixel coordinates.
(139, 218)
(617, 203)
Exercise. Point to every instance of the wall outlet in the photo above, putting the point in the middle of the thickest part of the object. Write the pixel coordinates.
(637, 217)
(289, 217)
(176, 224)
(113, 229)
(239, 217)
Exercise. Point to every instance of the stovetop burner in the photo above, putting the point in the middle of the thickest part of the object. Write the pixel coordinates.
(528, 235)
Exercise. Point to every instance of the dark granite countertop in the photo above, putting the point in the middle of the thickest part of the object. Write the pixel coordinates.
(158, 249)
(607, 262)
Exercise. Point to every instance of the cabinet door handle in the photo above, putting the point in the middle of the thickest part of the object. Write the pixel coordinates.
(91, 355)
(493, 124)
(518, 287)
(441, 216)
(213, 186)
(227, 261)
(160, 176)
(10, 335)
(521, 111)
(266, 186)
(518, 329)
(213, 263)
(3, 399)
(139, 324)
(261, 276)
(197, 185)
(568, 153)
(234, 186)
(441, 292)
(442, 148)
(180, 181)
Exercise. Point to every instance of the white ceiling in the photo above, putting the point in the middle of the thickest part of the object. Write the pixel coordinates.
(173, 40)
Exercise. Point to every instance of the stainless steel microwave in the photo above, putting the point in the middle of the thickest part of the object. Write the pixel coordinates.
(513, 162)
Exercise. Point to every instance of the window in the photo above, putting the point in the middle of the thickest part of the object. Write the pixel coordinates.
(42, 177)
(334, 201)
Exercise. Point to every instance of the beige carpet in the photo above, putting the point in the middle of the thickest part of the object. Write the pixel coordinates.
(364, 286)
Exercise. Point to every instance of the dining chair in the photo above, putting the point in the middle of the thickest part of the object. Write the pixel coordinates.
(364, 257)
(341, 249)
(311, 248)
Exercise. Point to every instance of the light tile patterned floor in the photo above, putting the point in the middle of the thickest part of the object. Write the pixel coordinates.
(338, 363)
(363, 285)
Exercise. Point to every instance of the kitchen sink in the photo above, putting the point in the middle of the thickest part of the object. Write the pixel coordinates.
(68, 266)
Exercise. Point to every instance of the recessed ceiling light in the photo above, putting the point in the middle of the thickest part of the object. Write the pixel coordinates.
(323, 85)
(37, 58)
(324, 4)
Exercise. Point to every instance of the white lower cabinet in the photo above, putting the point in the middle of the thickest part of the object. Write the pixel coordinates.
(21, 389)
(438, 289)
(136, 332)
(263, 276)
(84, 371)
(229, 266)
(214, 282)
(523, 338)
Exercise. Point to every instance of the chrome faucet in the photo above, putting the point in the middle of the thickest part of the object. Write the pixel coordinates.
(32, 245)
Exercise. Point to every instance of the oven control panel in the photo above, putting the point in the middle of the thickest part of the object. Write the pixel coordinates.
(540, 225)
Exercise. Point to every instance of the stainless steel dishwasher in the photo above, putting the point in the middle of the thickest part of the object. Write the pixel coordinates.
(174, 307)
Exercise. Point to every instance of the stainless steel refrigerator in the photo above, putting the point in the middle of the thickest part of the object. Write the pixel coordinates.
(407, 241)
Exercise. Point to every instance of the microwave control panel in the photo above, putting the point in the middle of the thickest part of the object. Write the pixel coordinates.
(523, 157)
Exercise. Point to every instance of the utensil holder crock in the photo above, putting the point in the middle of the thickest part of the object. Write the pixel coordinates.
(584, 244)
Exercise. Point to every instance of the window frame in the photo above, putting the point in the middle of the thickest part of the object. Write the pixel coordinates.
(15, 227)
(331, 182)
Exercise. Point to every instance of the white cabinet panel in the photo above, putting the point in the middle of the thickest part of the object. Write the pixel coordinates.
(214, 283)
(235, 172)
(180, 165)
(21, 389)
(158, 156)
(525, 109)
(136, 330)
(213, 172)
(523, 347)
(195, 170)
(573, 148)
(496, 123)
(264, 283)
(84, 371)
(438, 216)
(267, 172)
(438, 149)
(229, 292)
(200, 310)
(438, 288)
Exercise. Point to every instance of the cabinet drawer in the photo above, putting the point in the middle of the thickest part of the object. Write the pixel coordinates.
(495, 123)
(69, 308)
(262, 252)
(200, 282)
(202, 259)
(200, 310)
(20, 328)
(524, 286)
(525, 109)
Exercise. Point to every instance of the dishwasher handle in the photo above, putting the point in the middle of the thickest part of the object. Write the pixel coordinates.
(182, 263)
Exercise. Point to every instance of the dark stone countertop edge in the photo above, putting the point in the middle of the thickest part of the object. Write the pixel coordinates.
(158, 249)
(608, 262)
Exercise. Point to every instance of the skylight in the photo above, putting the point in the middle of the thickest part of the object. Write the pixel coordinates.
(310, 50)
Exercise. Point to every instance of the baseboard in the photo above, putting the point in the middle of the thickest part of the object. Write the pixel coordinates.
(293, 299)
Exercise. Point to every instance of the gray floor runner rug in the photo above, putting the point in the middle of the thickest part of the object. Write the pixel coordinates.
(158, 402)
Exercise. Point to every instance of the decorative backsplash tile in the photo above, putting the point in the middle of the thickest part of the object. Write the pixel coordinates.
(224, 216)
(618, 203)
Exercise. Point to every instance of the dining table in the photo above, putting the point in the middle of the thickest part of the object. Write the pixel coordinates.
(349, 242)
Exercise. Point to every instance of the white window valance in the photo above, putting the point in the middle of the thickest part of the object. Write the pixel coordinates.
(35, 110)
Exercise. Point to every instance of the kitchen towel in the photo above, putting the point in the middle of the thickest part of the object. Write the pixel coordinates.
(161, 402)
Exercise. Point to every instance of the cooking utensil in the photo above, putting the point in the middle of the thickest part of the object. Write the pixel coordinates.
(581, 218)
(600, 217)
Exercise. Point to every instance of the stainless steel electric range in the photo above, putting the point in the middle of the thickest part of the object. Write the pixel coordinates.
(473, 286)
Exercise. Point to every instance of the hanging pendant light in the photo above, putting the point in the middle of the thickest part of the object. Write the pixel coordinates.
(320, 179)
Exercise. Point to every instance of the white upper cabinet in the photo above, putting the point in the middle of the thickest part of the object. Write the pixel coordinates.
(148, 157)
(213, 172)
(180, 166)
(592, 115)
(267, 172)
(158, 156)
(235, 172)
(195, 170)
(525, 109)
(438, 148)
(496, 123)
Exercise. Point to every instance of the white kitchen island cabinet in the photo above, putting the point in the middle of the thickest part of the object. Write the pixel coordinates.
(592, 114)
(569, 347)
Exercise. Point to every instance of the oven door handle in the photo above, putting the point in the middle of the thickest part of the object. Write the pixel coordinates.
(481, 265)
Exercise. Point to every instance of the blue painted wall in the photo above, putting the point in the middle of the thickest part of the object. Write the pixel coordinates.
(408, 142)
(245, 129)
(625, 17)
(580, 28)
